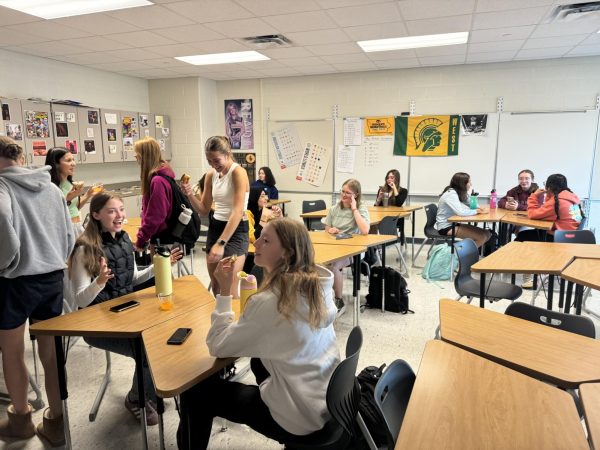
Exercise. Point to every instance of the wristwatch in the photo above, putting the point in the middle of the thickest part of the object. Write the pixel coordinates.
(222, 242)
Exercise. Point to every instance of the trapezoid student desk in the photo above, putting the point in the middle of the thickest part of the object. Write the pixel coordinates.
(461, 401)
(99, 321)
(584, 272)
(590, 398)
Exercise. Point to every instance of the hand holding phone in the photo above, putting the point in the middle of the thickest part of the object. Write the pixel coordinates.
(179, 336)
(124, 306)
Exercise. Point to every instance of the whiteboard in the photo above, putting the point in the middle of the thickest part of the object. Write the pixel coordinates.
(546, 143)
(320, 132)
(476, 156)
(372, 162)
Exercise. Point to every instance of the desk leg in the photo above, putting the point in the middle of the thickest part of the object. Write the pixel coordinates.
(62, 386)
(413, 237)
(482, 290)
(141, 393)
(453, 231)
(160, 406)
(383, 278)
(569, 295)
(513, 278)
(578, 298)
(550, 291)
(356, 289)
(561, 295)
(307, 223)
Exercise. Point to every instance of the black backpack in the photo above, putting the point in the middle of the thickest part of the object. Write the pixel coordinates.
(192, 230)
(396, 292)
(367, 379)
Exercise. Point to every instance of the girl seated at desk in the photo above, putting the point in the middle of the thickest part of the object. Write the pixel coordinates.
(258, 216)
(349, 215)
(391, 194)
(266, 180)
(287, 330)
(102, 267)
(455, 202)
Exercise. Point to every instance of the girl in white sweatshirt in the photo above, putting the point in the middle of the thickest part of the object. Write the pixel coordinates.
(287, 329)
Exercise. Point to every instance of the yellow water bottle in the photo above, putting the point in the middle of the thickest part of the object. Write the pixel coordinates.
(162, 271)
(248, 287)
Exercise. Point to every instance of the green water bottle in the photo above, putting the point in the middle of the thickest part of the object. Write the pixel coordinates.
(473, 203)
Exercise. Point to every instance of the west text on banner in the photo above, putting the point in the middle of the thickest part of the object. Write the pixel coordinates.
(379, 126)
(427, 135)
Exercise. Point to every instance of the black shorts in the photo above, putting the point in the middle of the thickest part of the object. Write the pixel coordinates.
(237, 243)
(445, 231)
(36, 297)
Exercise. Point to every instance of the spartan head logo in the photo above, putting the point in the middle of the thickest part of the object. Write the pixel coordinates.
(427, 136)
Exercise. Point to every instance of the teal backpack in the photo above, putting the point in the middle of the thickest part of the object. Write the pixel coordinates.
(437, 267)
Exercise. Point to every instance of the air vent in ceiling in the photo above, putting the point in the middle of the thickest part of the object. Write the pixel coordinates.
(576, 11)
(267, 41)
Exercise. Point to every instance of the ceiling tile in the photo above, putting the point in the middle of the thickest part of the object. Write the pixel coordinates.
(263, 65)
(49, 30)
(271, 7)
(317, 37)
(585, 50)
(15, 37)
(484, 47)
(439, 25)
(397, 63)
(140, 39)
(289, 52)
(341, 3)
(561, 41)
(424, 9)
(366, 14)
(566, 28)
(442, 60)
(490, 57)
(511, 18)
(242, 28)
(218, 46)
(334, 49)
(99, 24)
(298, 62)
(174, 50)
(444, 50)
(164, 63)
(539, 53)
(283, 72)
(348, 58)
(316, 70)
(87, 58)
(396, 54)
(119, 66)
(355, 66)
(68, 47)
(12, 17)
(495, 5)
(210, 10)
(100, 44)
(381, 31)
(498, 34)
(189, 33)
(306, 21)
(133, 54)
(148, 17)
(150, 73)
(592, 39)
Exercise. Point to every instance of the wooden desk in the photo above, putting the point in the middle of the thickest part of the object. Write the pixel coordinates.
(521, 219)
(462, 401)
(98, 321)
(583, 272)
(493, 215)
(590, 398)
(559, 357)
(325, 254)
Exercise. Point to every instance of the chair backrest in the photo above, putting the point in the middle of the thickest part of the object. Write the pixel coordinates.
(467, 254)
(392, 393)
(575, 237)
(575, 324)
(343, 391)
(313, 205)
(389, 226)
(431, 213)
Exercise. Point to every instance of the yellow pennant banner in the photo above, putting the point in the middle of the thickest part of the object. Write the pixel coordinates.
(379, 126)
(427, 135)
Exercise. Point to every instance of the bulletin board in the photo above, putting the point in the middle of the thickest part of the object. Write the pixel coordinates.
(476, 156)
(372, 160)
(546, 143)
(301, 155)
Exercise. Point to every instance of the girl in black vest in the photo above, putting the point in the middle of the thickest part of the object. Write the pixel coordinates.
(102, 267)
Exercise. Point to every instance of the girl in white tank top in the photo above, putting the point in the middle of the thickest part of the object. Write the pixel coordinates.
(222, 193)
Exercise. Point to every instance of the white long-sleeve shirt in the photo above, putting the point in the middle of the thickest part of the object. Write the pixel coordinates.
(299, 359)
(448, 206)
(81, 288)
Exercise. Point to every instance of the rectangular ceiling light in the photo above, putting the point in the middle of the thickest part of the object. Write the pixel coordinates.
(53, 9)
(223, 58)
(430, 40)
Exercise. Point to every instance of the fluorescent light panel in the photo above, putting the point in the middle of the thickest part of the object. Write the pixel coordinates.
(223, 58)
(53, 9)
(430, 40)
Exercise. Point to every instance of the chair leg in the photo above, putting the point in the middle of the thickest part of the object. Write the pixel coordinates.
(101, 389)
(402, 261)
(38, 402)
(420, 248)
(365, 432)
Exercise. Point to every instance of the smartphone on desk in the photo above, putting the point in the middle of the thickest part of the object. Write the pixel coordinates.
(124, 306)
(343, 236)
(179, 337)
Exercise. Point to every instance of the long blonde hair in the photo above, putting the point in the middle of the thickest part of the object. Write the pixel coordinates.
(91, 238)
(297, 274)
(150, 157)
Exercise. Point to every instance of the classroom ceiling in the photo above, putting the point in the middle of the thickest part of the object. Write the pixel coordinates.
(142, 42)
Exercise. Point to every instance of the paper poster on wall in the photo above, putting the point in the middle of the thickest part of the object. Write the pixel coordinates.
(344, 161)
(159, 121)
(14, 131)
(129, 127)
(288, 147)
(163, 145)
(128, 144)
(473, 124)
(111, 134)
(239, 124)
(146, 132)
(379, 126)
(373, 147)
(90, 147)
(165, 132)
(315, 160)
(71, 146)
(59, 116)
(36, 124)
(143, 120)
(427, 136)
(92, 117)
(62, 129)
(110, 118)
(352, 131)
(39, 148)
(112, 148)
(89, 132)
(5, 111)
(71, 117)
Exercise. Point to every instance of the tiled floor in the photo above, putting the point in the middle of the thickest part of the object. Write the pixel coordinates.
(388, 336)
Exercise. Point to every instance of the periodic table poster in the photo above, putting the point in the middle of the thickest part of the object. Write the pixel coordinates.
(301, 154)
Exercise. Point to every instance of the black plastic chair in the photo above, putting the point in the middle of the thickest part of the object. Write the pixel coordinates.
(389, 226)
(467, 286)
(431, 234)
(311, 206)
(343, 397)
(392, 393)
(581, 325)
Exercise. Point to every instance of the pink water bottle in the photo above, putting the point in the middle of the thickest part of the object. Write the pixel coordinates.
(493, 199)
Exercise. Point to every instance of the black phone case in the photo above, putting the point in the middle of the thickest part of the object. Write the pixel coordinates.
(124, 306)
(179, 336)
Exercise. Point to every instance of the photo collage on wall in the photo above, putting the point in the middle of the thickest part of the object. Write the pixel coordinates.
(12, 130)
